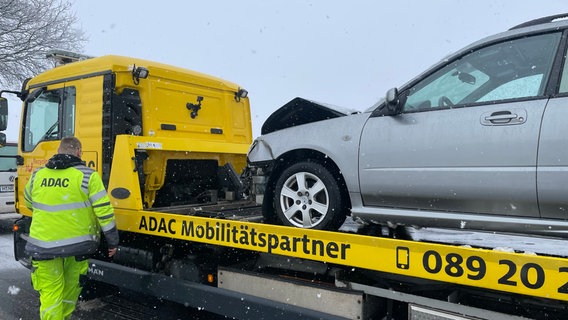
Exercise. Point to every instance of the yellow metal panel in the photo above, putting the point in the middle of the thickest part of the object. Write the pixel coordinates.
(531, 275)
(219, 118)
(120, 64)
(32, 160)
(242, 125)
(123, 175)
(212, 112)
(186, 145)
(88, 118)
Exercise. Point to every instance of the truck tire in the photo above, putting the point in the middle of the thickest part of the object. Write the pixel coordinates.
(307, 195)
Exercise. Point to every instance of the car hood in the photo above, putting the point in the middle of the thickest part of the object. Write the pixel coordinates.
(302, 111)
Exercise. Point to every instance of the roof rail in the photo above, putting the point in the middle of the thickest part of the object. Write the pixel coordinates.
(62, 57)
(540, 21)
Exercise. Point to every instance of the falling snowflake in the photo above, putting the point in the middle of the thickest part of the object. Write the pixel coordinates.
(13, 290)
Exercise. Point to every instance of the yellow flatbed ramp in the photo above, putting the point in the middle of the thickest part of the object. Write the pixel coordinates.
(525, 274)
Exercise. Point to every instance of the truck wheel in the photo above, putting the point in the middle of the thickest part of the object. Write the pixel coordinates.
(308, 196)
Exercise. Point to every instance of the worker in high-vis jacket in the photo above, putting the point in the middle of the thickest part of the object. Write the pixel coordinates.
(69, 206)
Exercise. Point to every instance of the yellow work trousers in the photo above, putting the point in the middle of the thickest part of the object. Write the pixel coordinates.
(57, 281)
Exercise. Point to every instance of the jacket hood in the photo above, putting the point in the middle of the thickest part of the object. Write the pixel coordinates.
(63, 161)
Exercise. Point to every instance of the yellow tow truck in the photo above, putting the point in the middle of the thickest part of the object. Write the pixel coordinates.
(171, 145)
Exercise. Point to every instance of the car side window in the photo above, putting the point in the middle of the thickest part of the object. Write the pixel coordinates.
(517, 88)
(564, 81)
(513, 69)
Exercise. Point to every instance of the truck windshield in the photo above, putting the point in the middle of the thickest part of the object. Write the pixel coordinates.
(50, 116)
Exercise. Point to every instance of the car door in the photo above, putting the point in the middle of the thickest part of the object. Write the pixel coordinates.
(467, 138)
(552, 170)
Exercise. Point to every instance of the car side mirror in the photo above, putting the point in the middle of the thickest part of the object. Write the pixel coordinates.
(3, 113)
(392, 101)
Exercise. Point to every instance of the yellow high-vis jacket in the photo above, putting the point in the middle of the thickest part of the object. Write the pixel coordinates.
(69, 206)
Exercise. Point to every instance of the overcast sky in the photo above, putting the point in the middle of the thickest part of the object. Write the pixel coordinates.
(346, 53)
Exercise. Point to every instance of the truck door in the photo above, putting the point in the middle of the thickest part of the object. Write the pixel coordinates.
(49, 115)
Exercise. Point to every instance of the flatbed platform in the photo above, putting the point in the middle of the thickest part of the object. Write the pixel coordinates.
(525, 274)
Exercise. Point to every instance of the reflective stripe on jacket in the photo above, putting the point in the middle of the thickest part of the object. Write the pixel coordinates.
(69, 206)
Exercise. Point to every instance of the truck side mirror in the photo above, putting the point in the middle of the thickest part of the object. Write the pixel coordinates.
(3, 115)
(35, 94)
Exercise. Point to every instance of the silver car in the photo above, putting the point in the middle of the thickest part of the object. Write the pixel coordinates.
(478, 141)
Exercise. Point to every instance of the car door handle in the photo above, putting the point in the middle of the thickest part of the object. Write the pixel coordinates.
(501, 117)
(505, 117)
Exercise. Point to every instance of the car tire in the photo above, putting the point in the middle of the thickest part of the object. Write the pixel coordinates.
(307, 195)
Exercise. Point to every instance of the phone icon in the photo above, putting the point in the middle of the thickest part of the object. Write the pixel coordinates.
(402, 257)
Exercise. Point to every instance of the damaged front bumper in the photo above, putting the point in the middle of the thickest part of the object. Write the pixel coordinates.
(260, 162)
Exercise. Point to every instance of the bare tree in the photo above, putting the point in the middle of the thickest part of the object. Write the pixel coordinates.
(28, 30)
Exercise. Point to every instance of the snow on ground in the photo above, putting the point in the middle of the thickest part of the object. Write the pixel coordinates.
(7, 260)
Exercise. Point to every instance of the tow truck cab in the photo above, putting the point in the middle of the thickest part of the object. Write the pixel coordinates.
(160, 136)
